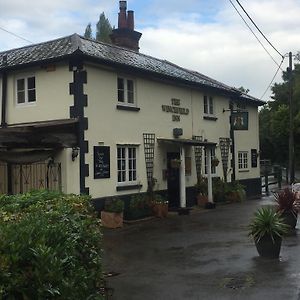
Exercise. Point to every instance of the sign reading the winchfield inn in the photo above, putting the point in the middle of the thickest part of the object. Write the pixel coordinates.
(175, 109)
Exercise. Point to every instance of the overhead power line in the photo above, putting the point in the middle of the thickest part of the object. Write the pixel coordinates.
(255, 35)
(238, 2)
(16, 35)
(273, 78)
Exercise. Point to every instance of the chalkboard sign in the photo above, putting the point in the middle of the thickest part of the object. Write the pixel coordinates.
(253, 158)
(101, 162)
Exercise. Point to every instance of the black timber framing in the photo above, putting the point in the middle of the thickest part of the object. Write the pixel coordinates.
(77, 111)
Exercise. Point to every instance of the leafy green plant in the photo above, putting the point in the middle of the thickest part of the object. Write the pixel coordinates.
(158, 199)
(114, 205)
(139, 207)
(267, 221)
(50, 247)
(286, 200)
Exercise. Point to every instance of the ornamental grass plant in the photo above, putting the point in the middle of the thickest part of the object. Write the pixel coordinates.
(50, 247)
(286, 200)
(267, 222)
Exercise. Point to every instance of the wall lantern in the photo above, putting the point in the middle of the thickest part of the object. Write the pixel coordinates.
(75, 152)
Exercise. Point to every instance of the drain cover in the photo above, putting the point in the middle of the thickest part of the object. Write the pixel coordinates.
(239, 281)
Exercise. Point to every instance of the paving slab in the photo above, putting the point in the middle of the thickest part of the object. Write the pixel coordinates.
(205, 255)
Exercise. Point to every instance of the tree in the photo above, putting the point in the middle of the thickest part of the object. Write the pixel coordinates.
(103, 29)
(88, 31)
(274, 120)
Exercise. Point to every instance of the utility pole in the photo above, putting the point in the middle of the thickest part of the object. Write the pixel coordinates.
(291, 129)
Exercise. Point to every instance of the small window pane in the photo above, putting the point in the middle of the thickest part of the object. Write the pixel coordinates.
(31, 83)
(130, 91)
(120, 96)
(31, 96)
(211, 106)
(121, 93)
(20, 84)
(21, 97)
(205, 105)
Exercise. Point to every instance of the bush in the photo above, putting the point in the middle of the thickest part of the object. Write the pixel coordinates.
(139, 207)
(114, 205)
(50, 247)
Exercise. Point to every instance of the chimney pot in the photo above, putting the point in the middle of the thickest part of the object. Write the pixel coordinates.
(130, 20)
(123, 5)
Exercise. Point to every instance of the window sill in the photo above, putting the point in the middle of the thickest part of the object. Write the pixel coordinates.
(244, 171)
(129, 187)
(128, 108)
(210, 118)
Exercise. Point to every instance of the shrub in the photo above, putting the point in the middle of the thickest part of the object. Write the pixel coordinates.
(114, 205)
(139, 207)
(50, 247)
(286, 200)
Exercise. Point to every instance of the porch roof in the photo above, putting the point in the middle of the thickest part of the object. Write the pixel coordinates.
(53, 134)
(186, 142)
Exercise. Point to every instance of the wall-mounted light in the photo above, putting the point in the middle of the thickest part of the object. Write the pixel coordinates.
(75, 152)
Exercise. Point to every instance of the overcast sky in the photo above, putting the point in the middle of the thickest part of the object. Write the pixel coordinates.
(204, 35)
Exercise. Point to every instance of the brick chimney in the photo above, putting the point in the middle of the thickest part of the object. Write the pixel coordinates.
(125, 35)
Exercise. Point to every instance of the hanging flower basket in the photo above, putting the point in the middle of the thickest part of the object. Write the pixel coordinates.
(215, 162)
(175, 163)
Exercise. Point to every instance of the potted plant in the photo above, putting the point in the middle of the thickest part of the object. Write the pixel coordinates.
(201, 188)
(215, 161)
(160, 206)
(234, 192)
(175, 163)
(267, 228)
(286, 200)
(112, 215)
(139, 207)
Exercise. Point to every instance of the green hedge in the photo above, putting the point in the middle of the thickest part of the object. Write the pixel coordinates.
(50, 247)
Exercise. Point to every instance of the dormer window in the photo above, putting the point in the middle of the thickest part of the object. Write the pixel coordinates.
(25, 90)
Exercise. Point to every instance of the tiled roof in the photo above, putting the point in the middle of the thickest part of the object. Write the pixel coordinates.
(67, 46)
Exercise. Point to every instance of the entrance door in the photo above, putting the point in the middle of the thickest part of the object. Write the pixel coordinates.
(173, 181)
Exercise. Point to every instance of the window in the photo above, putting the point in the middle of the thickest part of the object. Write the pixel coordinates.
(243, 160)
(25, 90)
(125, 91)
(126, 160)
(213, 168)
(208, 105)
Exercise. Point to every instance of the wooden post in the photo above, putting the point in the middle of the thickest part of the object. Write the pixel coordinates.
(267, 182)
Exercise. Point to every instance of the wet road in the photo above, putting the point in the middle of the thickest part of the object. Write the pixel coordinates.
(206, 255)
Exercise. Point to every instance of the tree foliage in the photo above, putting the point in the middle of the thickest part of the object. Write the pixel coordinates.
(274, 120)
(88, 31)
(103, 30)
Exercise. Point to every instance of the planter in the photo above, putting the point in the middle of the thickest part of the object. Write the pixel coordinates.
(233, 197)
(215, 163)
(202, 200)
(160, 210)
(267, 248)
(111, 219)
(175, 163)
(290, 218)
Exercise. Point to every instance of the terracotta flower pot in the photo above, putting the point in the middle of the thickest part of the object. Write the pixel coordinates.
(160, 210)
(111, 219)
(202, 200)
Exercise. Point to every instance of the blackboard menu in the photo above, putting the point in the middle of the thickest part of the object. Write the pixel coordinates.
(253, 158)
(101, 162)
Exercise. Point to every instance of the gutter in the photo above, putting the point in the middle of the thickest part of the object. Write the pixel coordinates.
(4, 100)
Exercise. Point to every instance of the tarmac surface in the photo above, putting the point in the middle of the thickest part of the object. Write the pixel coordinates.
(205, 255)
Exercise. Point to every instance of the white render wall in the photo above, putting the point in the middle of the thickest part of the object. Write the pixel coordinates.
(52, 94)
(109, 126)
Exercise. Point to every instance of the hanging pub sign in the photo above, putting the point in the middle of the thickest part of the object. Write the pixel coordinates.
(253, 158)
(101, 162)
(240, 120)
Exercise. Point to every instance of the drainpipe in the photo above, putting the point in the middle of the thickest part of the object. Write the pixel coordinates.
(4, 99)
(209, 177)
(232, 142)
(182, 178)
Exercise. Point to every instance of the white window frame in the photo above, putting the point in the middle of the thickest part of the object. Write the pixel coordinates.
(208, 105)
(125, 91)
(25, 77)
(243, 160)
(124, 165)
(213, 168)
